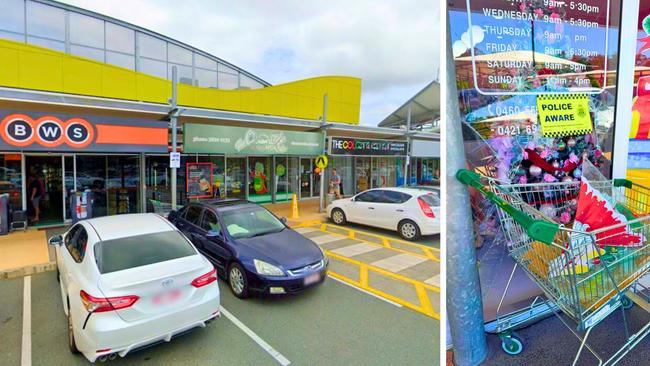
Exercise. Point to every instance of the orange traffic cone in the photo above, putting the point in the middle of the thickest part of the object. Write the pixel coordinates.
(294, 207)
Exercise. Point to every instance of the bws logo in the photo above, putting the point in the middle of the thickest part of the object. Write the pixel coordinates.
(48, 131)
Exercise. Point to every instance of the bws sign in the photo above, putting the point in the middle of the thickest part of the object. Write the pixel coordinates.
(48, 131)
(59, 132)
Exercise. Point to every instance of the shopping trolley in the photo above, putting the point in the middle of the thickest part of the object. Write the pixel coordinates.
(553, 255)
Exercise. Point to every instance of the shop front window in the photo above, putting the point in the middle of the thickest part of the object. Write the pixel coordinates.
(158, 180)
(383, 172)
(259, 179)
(218, 174)
(123, 184)
(638, 160)
(344, 168)
(91, 176)
(11, 179)
(362, 173)
(235, 177)
(293, 176)
(281, 179)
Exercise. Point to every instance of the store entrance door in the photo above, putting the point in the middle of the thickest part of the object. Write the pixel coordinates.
(305, 178)
(44, 193)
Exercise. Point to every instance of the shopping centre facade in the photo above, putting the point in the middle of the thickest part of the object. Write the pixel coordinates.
(85, 106)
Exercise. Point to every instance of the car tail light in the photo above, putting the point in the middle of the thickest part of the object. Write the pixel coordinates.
(102, 304)
(426, 209)
(205, 279)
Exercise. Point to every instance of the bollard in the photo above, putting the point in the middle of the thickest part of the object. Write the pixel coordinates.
(294, 207)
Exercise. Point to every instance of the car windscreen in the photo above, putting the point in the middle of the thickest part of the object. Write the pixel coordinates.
(250, 221)
(140, 250)
(431, 200)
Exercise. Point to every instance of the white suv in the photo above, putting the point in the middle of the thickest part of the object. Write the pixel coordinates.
(130, 281)
(411, 212)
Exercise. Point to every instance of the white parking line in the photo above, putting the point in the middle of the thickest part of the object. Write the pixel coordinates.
(26, 349)
(270, 350)
(366, 292)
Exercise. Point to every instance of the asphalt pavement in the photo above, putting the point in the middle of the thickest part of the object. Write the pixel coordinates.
(334, 324)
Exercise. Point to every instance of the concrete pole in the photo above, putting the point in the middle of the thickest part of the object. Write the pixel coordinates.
(174, 123)
(464, 304)
(408, 146)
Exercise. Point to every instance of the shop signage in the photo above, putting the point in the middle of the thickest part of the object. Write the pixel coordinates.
(199, 138)
(199, 178)
(351, 146)
(564, 114)
(36, 131)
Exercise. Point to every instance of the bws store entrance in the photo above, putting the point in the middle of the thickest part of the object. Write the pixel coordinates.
(44, 193)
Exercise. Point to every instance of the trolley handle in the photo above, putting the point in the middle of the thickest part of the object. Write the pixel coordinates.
(539, 230)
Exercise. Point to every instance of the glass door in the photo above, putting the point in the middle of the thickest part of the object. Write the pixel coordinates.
(44, 189)
(305, 178)
(235, 177)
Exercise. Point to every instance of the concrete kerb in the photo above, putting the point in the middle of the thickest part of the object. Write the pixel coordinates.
(27, 270)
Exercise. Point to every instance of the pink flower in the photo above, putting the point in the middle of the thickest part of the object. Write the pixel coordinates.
(555, 16)
(598, 153)
(539, 12)
(522, 7)
(523, 179)
(565, 217)
(573, 158)
(549, 178)
(566, 163)
(524, 155)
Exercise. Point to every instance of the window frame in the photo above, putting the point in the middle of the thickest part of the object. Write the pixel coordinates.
(199, 217)
(207, 212)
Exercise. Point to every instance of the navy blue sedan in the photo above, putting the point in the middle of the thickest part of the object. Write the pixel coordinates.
(251, 248)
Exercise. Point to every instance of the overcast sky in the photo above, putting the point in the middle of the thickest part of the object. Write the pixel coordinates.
(391, 45)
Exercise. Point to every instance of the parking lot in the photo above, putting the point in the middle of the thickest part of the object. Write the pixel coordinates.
(379, 306)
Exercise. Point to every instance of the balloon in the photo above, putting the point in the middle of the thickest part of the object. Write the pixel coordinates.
(317, 170)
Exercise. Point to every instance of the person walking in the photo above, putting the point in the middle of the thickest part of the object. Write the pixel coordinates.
(335, 184)
(37, 191)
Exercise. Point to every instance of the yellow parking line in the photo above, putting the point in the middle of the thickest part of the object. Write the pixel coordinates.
(424, 299)
(383, 271)
(382, 237)
(352, 236)
(363, 275)
(395, 299)
(429, 254)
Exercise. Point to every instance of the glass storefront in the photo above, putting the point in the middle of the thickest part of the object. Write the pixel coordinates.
(259, 179)
(362, 173)
(236, 177)
(383, 172)
(424, 171)
(11, 179)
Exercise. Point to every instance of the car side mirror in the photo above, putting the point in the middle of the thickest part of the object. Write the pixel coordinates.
(283, 220)
(352, 199)
(55, 240)
(213, 234)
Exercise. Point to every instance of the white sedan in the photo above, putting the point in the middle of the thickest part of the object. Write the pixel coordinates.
(411, 212)
(131, 281)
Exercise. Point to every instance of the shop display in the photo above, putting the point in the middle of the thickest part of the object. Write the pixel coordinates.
(199, 178)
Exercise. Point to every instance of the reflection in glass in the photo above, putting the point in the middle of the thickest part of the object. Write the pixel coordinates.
(120, 39)
(45, 21)
(12, 16)
(362, 173)
(123, 184)
(86, 31)
(235, 177)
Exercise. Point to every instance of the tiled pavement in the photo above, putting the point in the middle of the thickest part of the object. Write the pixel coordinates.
(403, 272)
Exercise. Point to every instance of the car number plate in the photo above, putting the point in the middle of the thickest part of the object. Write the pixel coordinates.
(167, 297)
(312, 278)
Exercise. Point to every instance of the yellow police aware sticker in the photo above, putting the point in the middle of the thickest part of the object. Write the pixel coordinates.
(564, 114)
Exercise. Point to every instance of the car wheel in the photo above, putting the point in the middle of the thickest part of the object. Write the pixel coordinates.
(71, 342)
(338, 216)
(237, 280)
(409, 230)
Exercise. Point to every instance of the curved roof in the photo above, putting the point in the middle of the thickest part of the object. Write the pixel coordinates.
(85, 33)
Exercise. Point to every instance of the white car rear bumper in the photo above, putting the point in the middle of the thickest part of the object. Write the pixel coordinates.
(430, 228)
(109, 331)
